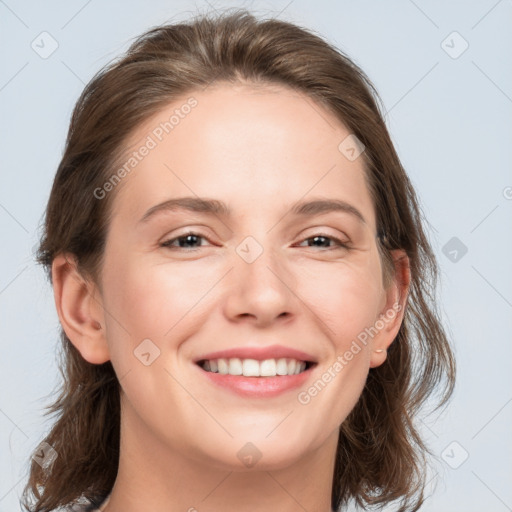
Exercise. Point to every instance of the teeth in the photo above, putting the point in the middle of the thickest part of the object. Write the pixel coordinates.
(235, 366)
(254, 368)
(268, 368)
(223, 366)
(282, 367)
(251, 368)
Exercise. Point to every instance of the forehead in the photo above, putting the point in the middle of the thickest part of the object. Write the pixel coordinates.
(245, 145)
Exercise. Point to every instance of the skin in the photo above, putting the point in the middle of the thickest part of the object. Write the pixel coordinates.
(259, 149)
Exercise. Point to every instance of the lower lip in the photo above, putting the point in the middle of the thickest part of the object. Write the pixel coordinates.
(258, 387)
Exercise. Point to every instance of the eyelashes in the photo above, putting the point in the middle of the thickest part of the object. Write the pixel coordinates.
(190, 236)
(319, 236)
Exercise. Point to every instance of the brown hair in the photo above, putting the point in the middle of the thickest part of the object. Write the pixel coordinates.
(380, 456)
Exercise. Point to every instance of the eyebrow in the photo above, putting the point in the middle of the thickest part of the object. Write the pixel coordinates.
(216, 207)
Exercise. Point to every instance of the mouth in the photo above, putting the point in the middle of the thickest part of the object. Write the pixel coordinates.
(257, 379)
(267, 368)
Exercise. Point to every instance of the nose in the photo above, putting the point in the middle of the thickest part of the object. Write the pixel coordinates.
(261, 292)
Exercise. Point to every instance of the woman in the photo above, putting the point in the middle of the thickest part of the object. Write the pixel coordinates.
(243, 281)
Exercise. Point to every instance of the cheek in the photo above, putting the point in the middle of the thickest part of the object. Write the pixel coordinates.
(346, 301)
(148, 307)
(157, 301)
(150, 299)
(346, 298)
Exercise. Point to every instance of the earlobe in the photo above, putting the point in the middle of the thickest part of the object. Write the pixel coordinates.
(392, 315)
(80, 310)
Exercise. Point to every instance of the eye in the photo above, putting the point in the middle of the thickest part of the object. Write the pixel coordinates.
(184, 241)
(323, 239)
(187, 241)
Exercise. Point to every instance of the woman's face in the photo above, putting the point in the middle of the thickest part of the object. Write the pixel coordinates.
(262, 279)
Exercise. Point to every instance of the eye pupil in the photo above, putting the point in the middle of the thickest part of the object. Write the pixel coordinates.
(325, 239)
(187, 239)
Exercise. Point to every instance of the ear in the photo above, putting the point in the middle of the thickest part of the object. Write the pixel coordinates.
(80, 309)
(392, 314)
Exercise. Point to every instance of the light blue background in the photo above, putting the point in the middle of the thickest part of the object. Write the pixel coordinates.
(450, 119)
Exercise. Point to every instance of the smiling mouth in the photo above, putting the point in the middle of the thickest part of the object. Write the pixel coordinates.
(254, 368)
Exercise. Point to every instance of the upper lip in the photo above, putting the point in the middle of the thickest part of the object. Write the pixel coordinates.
(259, 353)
